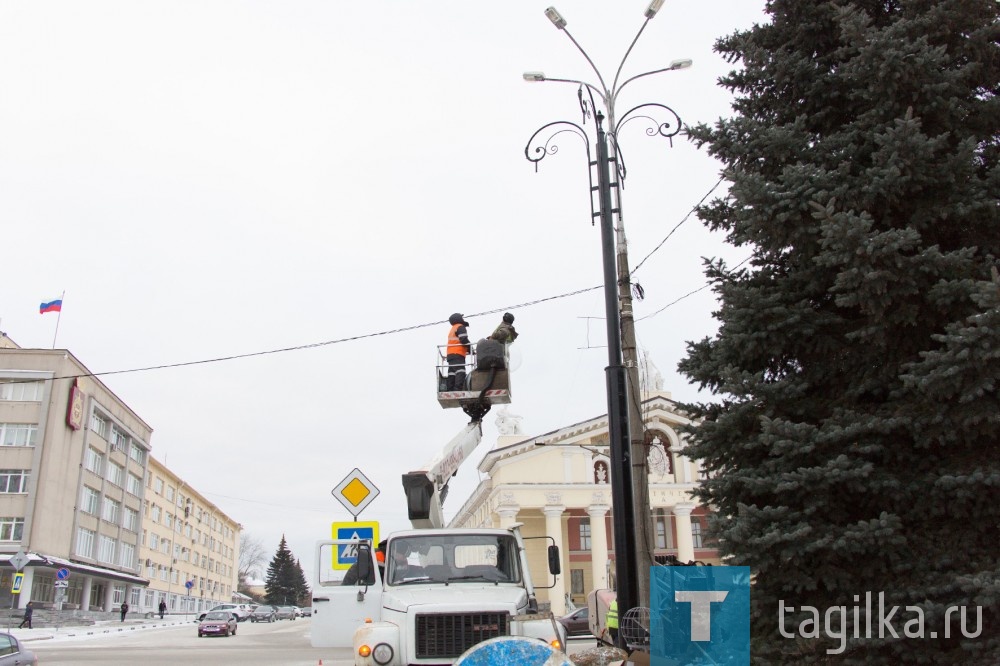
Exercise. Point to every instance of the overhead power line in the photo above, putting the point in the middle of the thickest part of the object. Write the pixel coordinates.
(403, 329)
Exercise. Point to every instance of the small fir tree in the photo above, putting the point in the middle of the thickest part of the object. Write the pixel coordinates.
(282, 585)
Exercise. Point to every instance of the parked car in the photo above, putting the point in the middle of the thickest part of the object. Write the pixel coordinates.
(13, 652)
(217, 623)
(307, 611)
(577, 622)
(298, 611)
(263, 613)
(241, 611)
(285, 612)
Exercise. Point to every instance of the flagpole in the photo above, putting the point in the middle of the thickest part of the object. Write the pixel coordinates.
(57, 320)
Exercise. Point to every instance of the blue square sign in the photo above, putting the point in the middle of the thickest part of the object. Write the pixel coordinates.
(700, 615)
(346, 554)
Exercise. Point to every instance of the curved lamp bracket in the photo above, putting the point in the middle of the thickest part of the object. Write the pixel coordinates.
(538, 148)
(667, 129)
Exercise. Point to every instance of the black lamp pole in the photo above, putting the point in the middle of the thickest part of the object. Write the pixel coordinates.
(622, 496)
(623, 511)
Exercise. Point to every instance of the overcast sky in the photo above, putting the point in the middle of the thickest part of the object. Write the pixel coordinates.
(208, 179)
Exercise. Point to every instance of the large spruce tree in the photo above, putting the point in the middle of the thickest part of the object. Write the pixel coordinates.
(854, 444)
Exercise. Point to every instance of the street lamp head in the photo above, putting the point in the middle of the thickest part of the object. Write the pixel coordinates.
(534, 76)
(654, 7)
(681, 64)
(557, 20)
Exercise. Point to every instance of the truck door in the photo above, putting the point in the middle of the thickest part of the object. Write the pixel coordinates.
(339, 608)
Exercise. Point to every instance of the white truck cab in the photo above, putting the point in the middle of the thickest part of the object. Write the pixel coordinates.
(441, 592)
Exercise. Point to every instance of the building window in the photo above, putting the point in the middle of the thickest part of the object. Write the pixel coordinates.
(105, 549)
(165, 546)
(168, 519)
(136, 453)
(94, 461)
(661, 529)
(154, 540)
(131, 519)
(585, 534)
(111, 510)
(90, 500)
(18, 434)
(158, 486)
(22, 391)
(576, 581)
(84, 543)
(134, 484)
(11, 529)
(136, 596)
(127, 556)
(119, 439)
(696, 533)
(116, 474)
(118, 594)
(156, 514)
(14, 480)
(99, 424)
(170, 493)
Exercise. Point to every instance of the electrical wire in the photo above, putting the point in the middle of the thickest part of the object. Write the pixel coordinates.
(313, 345)
(690, 293)
(404, 329)
(677, 226)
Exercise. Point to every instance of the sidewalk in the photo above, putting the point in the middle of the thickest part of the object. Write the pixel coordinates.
(100, 628)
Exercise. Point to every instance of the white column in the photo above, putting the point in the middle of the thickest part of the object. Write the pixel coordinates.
(553, 528)
(508, 515)
(109, 596)
(88, 582)
(685, 545)
(598, 545)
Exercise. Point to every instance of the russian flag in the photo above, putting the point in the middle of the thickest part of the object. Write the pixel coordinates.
(50, 306)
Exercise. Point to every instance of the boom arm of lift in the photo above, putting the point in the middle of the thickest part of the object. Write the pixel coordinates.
(426, 488)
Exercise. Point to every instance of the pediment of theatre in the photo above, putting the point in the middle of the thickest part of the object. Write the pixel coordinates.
(534, 459)
(577, 496)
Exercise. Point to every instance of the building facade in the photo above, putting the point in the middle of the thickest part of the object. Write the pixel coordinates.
(94, 519)
(73, 457)
(190, 548)
(557, 485)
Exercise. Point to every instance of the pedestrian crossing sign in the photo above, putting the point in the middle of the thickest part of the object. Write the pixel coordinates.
(16, 587)
(346, 554)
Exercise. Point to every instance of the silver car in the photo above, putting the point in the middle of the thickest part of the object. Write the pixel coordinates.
(285, 612)
(12, 651)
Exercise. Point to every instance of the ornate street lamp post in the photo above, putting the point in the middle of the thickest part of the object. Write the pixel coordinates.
(624, 420)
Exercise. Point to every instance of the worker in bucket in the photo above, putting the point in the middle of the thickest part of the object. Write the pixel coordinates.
(505, 332)
(458, 348)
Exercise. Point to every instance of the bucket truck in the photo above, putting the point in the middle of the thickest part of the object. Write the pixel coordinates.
(443, 590)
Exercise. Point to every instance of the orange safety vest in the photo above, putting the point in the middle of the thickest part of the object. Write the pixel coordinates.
(455, 346)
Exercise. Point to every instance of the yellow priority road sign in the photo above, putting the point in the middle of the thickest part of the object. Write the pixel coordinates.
(355, 492)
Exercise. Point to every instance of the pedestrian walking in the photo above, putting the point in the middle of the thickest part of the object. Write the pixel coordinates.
(124, 610)
(163, 608)
(29, 610)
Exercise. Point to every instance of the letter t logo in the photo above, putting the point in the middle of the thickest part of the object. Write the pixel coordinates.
(701, 610)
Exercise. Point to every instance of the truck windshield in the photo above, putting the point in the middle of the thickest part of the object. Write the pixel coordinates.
(453, 558)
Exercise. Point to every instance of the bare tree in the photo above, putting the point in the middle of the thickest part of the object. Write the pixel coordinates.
(253, 557)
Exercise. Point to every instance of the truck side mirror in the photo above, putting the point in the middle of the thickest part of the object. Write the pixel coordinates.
(555, 564)
(365, 574)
